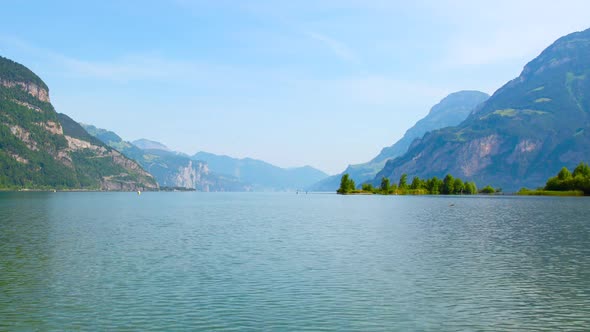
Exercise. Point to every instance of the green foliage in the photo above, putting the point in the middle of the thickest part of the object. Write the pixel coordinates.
(367, 187)
(566, 181)
(435, 186)
(488, 190)
(347, 185)
(392, 189)
(564, 174)
(385, 185)
(40, 170)
(470, 188)
(403, 182)
(528, 192)
(458, 186)
(432, 186)
(417, 183)
(582, 170)
(448, 186)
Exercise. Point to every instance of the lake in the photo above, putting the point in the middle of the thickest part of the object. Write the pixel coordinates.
(287, 262)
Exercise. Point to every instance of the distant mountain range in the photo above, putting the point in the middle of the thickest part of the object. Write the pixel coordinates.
(526, 132)
(261, 175)
(170, 169)
(40, 149)
(529, 129)
(206, 171)
(450, 111)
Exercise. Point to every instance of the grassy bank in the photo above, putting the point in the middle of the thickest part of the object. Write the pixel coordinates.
(528, 192)
(390, 192)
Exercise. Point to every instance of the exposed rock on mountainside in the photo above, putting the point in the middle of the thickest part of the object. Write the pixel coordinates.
(32, 88)
(40, 149)
(526, 132)
(206, 171)
(170, 169)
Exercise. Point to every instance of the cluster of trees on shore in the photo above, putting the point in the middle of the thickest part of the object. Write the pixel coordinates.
(433, 186)
(565, 180)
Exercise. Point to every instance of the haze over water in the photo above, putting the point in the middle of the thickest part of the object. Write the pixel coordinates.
(242, 261)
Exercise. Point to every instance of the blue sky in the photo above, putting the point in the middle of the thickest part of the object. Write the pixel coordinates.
(321, 83)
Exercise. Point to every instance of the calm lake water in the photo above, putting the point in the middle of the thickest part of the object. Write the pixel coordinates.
(221, 261)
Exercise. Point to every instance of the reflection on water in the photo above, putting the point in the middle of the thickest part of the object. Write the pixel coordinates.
(165, 261)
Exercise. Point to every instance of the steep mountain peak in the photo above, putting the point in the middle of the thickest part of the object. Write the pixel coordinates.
(565, 60)
(13, 74)
(564, 50)
(457, 102)
(530, 128)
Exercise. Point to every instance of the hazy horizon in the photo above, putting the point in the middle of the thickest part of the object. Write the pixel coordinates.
(319, 83)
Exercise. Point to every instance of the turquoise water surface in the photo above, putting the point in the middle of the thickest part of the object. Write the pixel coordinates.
(286, 262)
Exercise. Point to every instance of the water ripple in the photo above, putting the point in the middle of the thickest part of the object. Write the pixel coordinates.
(252, 262)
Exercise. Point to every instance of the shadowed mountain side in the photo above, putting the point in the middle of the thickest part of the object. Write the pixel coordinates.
(448, 112)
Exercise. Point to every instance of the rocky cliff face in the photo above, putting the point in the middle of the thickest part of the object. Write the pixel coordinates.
(124, 175)
(41, 149)
(529, 129)
(190, 176)
(31, 88)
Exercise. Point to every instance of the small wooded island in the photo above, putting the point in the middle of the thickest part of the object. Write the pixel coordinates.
(565, 183)
(433, 186)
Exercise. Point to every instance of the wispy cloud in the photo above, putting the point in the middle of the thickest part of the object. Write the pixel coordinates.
(360, 88)
(121, 68)
(487, 33)
(341, 50)
(125, 68)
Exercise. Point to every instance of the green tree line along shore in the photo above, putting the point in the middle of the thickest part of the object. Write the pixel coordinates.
(433, 186)
(565, 183)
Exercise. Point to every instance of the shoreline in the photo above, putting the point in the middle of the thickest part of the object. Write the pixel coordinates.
(536, 193)
(73, 190)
